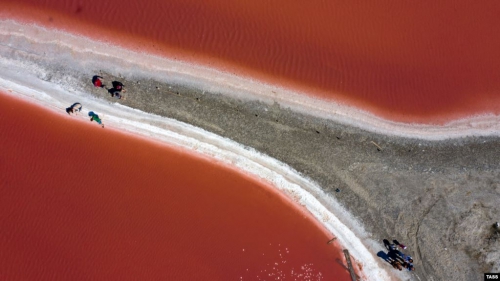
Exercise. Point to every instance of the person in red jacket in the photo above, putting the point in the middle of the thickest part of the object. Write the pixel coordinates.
(97, 81)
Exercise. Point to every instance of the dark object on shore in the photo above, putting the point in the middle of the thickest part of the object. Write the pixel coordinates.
(399, 244)
(97, 81)
(495, 235)
(118, 86)
(331, 240)
(76, 107)
(114, 93)
(349, 264)
(375, 144)
(387, 244)
(408, 266)
(337, 190)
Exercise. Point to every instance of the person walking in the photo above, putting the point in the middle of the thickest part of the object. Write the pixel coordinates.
(396, 265)
(117, 89)
(74, 109)
(403, 247)
(408, 258)
(95, 117)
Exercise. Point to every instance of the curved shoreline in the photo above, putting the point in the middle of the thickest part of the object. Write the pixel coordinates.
(302, 191)
(396, 192)
(171, 132)
(108, 58)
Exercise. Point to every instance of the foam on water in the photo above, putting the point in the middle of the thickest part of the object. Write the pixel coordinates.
(86, 56)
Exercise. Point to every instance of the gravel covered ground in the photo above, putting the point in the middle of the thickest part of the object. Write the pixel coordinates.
(439, 197)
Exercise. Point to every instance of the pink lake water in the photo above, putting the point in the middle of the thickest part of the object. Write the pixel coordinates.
(425, 62)
(80, 202)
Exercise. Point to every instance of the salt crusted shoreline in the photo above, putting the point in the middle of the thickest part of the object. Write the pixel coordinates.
(65, 48)
(440, 196)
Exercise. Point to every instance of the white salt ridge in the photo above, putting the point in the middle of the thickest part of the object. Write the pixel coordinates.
(26, 79)
(23, 84)
(86, 56)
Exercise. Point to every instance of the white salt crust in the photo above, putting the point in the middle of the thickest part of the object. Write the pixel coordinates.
(24, 79)
(177, 134)
(297, 188)
(86, 56)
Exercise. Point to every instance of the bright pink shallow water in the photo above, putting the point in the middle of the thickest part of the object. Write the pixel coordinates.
(426, 61)
(84, 203)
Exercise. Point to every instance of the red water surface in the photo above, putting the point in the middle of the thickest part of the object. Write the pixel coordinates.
(79, 202)
(425, 61)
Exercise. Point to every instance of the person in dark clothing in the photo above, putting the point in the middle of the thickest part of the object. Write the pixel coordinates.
(117, 89)
(118, 86)
(402, 246)
(409, 266)
(75, 108)
(95, 117)
(396, 265)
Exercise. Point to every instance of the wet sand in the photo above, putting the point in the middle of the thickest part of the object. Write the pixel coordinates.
(440, 197)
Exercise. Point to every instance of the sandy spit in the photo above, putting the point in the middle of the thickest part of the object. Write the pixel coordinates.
(109, 58)
(434, 187)
(20, 80)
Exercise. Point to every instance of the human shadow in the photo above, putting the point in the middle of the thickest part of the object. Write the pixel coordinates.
(396, 242)
(387, 244)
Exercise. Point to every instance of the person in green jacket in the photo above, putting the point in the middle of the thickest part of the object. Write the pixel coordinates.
(95, 117)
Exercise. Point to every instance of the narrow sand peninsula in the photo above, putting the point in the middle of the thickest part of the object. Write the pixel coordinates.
(434, 187)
